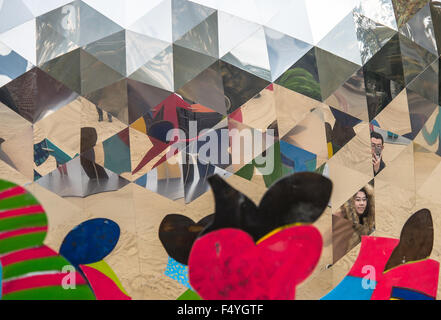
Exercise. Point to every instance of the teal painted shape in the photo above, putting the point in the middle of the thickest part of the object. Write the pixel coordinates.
(60, 156)
(435, 135)
(116, 155)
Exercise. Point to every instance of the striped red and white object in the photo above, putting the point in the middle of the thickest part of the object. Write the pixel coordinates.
(32, 270)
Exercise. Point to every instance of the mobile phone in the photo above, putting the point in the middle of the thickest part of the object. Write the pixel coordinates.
(378, 151)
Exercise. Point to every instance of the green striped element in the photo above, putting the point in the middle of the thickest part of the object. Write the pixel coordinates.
(189, 295)
(13, 223)
(22, 242)
(4, 185)
(20, 201)
(81, 292)
(43, 264)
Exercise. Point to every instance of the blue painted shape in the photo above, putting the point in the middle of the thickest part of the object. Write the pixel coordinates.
(90, 242)
(350, 288)
(40, 153)
(178, 272)
(345, 119)
(46, 148)
(159, 130)
(298, 159)
(36, 175)
(375, 123)
(408, 294)
(142, 181)
(12, 65)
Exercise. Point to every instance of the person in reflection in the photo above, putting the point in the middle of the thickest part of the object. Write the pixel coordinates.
(360, 211)
(377, 144)
(100, 115)
(89, 137)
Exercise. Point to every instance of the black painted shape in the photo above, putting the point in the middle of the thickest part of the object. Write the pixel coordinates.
(416, 240)
(299, 198)
(178, 233)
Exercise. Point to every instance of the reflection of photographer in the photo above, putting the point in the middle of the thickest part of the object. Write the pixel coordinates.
(377, 144)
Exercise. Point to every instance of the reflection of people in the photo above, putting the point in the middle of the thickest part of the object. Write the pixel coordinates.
(377, 144)
(100, 115)
(89, 137)
(360, 211)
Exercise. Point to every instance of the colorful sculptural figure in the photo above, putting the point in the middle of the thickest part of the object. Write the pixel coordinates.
(293, 202)
(388, 268)
(385, 268)
(32, 270)
(228, 265)
(85, 247)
